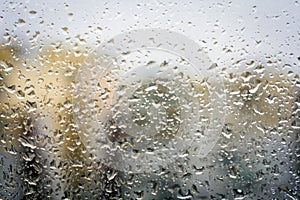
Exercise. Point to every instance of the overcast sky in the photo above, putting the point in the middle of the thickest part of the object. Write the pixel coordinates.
(256, 27)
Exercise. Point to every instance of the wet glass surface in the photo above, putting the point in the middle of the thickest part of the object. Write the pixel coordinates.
(149, 100)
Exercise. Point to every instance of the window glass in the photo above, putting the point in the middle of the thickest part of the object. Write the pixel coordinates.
(149, 99)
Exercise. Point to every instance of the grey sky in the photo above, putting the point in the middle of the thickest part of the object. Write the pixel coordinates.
(256, 27)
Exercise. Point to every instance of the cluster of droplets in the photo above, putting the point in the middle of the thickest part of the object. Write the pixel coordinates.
(45, 154)
(40, 140)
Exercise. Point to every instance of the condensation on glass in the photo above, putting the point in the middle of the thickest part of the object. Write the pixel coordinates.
(149, 100)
